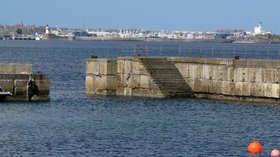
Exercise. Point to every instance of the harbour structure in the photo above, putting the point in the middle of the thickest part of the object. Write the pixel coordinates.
(160, 77)
(19, 83)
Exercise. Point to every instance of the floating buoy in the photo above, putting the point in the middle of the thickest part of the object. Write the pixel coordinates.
(255, 147)
(275, 152)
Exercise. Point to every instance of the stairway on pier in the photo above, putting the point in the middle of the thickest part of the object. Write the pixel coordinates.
(167, 77)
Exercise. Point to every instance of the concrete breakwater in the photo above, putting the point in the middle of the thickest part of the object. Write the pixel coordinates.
(19, 83)
(230, 79)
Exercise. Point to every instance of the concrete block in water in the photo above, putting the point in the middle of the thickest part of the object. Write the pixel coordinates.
(215, 87)
(206, 70)
(259, 75)
(183, 69)
(127, 92)
(257, 89)
(218, 72)
(195, 84)
(145, 81)
(271, 76)
(101, 66)
(15, 68)
(193, 70)
(21, 87)
(246, 89)
(89, 85)
(228, 88)
(19, 80)
(271, 90)
(98, 85)
(7, 85)
(228, 75)
(238, 75)
(134, 81)
(43, 86)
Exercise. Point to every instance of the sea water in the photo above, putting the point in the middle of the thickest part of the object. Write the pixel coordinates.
(72, 124)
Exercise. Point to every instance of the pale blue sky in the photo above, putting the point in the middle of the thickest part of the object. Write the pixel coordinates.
(193, 15)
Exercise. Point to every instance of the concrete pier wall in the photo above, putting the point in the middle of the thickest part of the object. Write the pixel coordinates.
(23, 84)
(253, 80)
(123, 77)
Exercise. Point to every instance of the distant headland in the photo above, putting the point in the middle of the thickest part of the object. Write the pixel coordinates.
(33, 32)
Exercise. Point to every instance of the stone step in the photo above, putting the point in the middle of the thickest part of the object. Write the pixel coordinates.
(167, 77)
(172, 88)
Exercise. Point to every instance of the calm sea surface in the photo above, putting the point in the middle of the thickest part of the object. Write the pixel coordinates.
(72, 124)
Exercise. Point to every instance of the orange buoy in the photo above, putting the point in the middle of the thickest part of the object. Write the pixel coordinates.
(255, 147)
(275, 152)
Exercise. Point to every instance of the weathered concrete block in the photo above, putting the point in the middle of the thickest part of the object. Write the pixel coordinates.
(127, 91)
(228, 75)
(190, 83)
(128, 67)
(196, 85)
(102, 83)
(252, 75)
(120, 66)
(15, 68)
(199, 71)
(7, 85)
(245, 89)
(142, 92)
(275, 91)
(226, 62)
(111, 67)
(228, 88)
(121, 80)
(193, 71)
(145, 81)
(237, 90)
(270, 75)
(92, 67)
(21, 87)
(257, 89)
(134, 81)
(135, 67)
(142, 70)
(101, 66)
(206, 72)
(43, 87)
(218, 72)
(259, 75)
(183, 69)
(271, 90)
(120, 91)
(238, 75)
(205, 85)
(156, 93)
(245, 75)
(89, 84)
(215, 87)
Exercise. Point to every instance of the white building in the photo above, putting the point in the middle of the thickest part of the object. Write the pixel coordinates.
(258, 29)
(47, 31)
